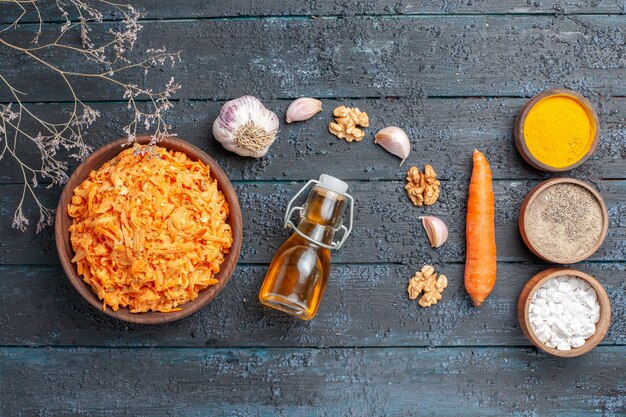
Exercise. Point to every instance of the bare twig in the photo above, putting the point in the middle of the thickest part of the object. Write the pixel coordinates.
(108, 58)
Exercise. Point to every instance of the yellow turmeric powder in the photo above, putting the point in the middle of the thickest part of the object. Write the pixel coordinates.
(559, 131)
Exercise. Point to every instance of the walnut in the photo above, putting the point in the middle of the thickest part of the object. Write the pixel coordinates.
(422, 187)
(347, 119)
(426, 281)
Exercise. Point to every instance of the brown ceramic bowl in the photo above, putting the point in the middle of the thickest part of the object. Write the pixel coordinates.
(518, 130)
(529, 200)
(528, 292)
(66, 253)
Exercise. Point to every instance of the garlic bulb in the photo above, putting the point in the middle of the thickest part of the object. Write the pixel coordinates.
(436, 230)
(246, 127)
(395, 141)
(303, 109)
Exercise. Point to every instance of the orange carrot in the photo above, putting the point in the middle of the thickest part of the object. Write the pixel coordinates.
(480, 234)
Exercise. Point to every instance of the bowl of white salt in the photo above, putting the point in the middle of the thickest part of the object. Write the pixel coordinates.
(564, 312)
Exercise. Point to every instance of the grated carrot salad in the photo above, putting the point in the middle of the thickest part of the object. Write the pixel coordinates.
(149, 230)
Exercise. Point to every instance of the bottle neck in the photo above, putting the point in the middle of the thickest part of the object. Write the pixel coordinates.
(322, 214)
(316, 231)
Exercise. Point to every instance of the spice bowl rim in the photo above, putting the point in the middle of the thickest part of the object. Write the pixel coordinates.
(65, 250)
(518, 131)
(531, 288)
(530, 198)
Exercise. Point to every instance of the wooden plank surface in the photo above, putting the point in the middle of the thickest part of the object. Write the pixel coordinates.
(442, 131)
(362, 57)
(453, 74)
(302, 382)
(260, 8)
(386, 224)
(364, 305)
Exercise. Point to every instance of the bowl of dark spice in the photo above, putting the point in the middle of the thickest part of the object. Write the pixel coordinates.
(563, 220)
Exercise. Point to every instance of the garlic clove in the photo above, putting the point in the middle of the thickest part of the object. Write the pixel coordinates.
(395, 141)
(303, 109)
(436, 230)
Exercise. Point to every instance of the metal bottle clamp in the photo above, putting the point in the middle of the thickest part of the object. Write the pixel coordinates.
(346, 230)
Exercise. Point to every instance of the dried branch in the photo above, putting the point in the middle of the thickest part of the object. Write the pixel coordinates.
(108, 58)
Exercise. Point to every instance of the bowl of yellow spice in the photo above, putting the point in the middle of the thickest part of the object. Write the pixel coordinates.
(557, 130)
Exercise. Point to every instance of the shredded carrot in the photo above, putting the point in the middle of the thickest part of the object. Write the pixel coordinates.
(149, 230)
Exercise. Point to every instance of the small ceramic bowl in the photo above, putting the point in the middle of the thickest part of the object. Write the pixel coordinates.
(66, 253)
(528, 292)
(530, 199)
(520, 141)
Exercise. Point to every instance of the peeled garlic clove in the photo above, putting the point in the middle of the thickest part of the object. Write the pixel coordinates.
(436, 230)
(303, 109)
(395, 141)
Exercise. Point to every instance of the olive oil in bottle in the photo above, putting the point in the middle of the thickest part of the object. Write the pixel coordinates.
(297, 277)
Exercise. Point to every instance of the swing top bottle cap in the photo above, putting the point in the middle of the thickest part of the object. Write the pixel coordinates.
(334, 184)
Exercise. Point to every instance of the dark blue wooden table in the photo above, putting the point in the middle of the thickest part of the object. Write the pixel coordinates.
(452, 73)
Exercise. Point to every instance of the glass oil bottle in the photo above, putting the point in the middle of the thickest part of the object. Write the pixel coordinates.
(297, 277)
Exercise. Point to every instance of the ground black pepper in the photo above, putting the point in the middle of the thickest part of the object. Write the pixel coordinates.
(564, 222)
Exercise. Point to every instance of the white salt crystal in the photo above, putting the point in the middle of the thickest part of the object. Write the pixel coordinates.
(570, 298)
(576, 327)
(590, 298)
(543, 331)
(574, 282)
(551, 284)
(536, 320)
(560, 327)
(563, 345)
(544, 311)
(550, 344)
(565, 286)
(595, 316)
(574, 307)
(558, 309)
(588, 330)
(576, 342)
